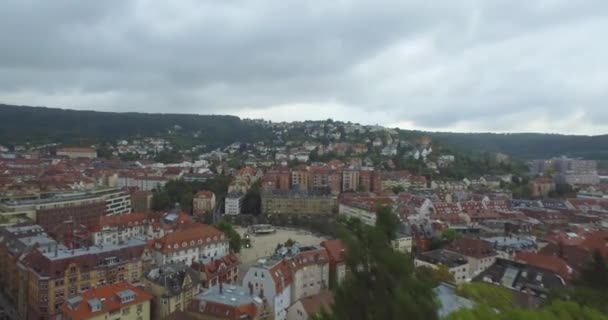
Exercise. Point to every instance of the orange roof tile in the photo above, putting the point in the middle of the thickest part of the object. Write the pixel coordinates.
(109, 299)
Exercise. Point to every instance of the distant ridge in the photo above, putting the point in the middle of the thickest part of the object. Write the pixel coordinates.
(38, 125)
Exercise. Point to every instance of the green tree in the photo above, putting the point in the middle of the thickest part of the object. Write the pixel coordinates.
(235, 237)
(487, 294)
(591, 289)
(160, 200)
(382, 283)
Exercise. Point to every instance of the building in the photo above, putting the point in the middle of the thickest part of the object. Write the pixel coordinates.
(173, 287)
(457, 264)
(141, 182)
(222, 270)
(115, 301)
(299, 179)
(296, 202)
(308, 307)
(50, 276)
(480, 254)
(337, 265)
(141, 201)
(522, 277)
(234, 203)
(196, 243)
(203, 203)
(507, 246)
(113, 230)
(74, 153)
(362, 206)
(229, 302)
(542, 186)
(370, 180)
(350, 179)
(117, 201)
(289, 275)
(576, 171)
(14, 242)
(85, 208)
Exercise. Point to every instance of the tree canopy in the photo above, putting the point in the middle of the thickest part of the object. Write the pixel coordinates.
(382, 283)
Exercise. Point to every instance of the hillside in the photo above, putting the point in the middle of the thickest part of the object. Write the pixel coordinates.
(38, 125)
(530, 145)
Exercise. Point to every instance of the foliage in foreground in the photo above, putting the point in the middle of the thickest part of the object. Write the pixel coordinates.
(383, 283)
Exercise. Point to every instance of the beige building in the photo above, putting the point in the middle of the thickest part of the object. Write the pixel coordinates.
(292, 202)
(119, 301)
(74, 153)
(203, 203)
(50, 276)
(173, 286)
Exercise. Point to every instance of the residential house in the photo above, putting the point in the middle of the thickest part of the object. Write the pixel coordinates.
(115, 301)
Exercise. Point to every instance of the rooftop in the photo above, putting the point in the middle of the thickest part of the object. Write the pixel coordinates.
(444, 257)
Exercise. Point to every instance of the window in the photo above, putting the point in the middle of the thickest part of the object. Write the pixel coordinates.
(126, 311)
(140, 307)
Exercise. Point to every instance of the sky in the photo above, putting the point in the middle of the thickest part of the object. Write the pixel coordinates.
(457, 65)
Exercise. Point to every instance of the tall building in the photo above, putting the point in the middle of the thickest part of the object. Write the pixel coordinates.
(576, 171)
(299, 179)
(233, 204)
(115, 301)
(350, 179)
(50, 276)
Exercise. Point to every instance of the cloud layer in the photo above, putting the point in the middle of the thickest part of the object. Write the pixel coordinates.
(464, 65)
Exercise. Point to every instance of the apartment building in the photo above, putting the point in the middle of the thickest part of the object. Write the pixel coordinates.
(350, 179)
(75, 153)
(141, 201)
(173, 287)
(112, 230)
(296, 202)
(290, 274)
(14, 242)
(227, 302)
(48, 277)
(110, 302)
(198, 242)
(233, 203)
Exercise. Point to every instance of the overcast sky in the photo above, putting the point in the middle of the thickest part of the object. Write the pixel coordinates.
(485, 65)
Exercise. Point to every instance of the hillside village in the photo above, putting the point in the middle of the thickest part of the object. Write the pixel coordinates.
(145, 228)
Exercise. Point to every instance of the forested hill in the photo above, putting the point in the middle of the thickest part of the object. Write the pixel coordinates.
(38, 125)
(529, 145)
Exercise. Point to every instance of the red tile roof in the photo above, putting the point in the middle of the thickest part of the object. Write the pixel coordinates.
(472, 248)
(190, 237)
(336, 250)
(316, 303)
(549, 262)
(108, 298)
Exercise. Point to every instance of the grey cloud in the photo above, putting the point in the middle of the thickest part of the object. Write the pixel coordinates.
(433, 64)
